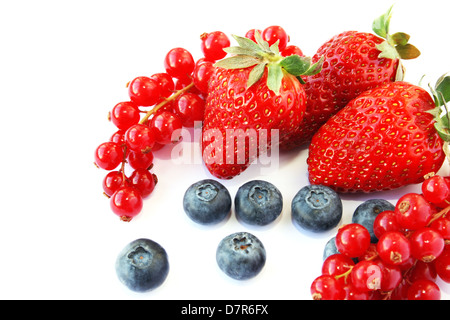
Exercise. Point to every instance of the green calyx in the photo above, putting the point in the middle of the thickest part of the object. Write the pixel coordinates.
(441, 95)
(260, 55)
(395, 46)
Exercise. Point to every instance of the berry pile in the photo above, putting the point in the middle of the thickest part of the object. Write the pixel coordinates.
(159, 106)
(412, 249)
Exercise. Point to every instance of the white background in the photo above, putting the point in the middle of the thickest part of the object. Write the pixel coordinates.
(64, 65)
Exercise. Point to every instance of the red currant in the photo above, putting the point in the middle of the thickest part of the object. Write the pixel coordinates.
(337, 265)
(290, 50)
(167, 127)
(126, 202)
(326, 287)
(413, 211)
(385, 221)
(108, 155)
(273, 33)
(426, 244)
(366, 276)
(112, 182)
(435, 189)
(393, 248)
(202, 73)
(442, 264)
(422, 270)
(144, 91)
(179, 63)
(190, 108)
(251, 34)
(140, 138)
(139, 160)
(144, 181)
(442, 225)
(391, 276)
(351, 293)
(213, 44)
(165, 83)
(424, 289)
(125, 114)
(352, 240)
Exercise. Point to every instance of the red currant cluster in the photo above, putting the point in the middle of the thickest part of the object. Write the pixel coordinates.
(168, 102)
(413, 248)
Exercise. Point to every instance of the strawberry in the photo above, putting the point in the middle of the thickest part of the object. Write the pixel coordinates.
(354, 62)
(384, 139)
(254, 99)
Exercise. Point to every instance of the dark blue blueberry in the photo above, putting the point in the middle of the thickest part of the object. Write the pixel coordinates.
(142, 265)
(316, 208)
(207, 202)
(241, 255)
(258, 202)
(330, 248)
(367, 211)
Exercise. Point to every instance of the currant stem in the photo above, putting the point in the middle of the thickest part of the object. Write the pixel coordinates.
(163, 103)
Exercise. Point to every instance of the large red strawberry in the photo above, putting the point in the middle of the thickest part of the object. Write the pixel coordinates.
(254, 100)
(354, 62)
(384, 139)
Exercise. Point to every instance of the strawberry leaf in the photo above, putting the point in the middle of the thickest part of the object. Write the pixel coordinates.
(315, 68)
(381, 25)
(400, 38)
(274, 78)
(237, 62)
(407, 51)
(443, 90)
(256, 74)
(241, 51)
(247, 43)
(295, 64)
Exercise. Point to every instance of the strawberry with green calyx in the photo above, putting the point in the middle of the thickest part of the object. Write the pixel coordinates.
(385, 138)
(253, 94)
(354, 62)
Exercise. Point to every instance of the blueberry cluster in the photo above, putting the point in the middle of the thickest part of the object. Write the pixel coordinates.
(143, 264)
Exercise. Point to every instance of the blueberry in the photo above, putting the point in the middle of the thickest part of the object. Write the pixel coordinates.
(241, 255)
(330, 248)
(207, 202)
(258, 202)
(367, 211)
(142, 265)
(316, 208)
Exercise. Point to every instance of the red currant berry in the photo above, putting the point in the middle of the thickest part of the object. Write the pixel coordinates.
(125, 114)
(326, 287)
(435, 189)
(179, 63)
(213, 44)
(413, 211)
(424, 290)
(126, 202)
(190, 108)
(391, 276)
(290, 50)
(167, 127)
(351, 293)
(422, 270)
(165, 83)
(139, 160)
(352, 240)
(140, 138)
(337, 265)
(385, 221)
(251, 34)
(442, 225)
(273, 33)
(144, 91)
(366, 276)
(183, 83)
(112, 182)
(144, 181)
(442, 265)
(426, 244)
(108, 155)
(393, 248)
(118, 137)
(202, 74)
